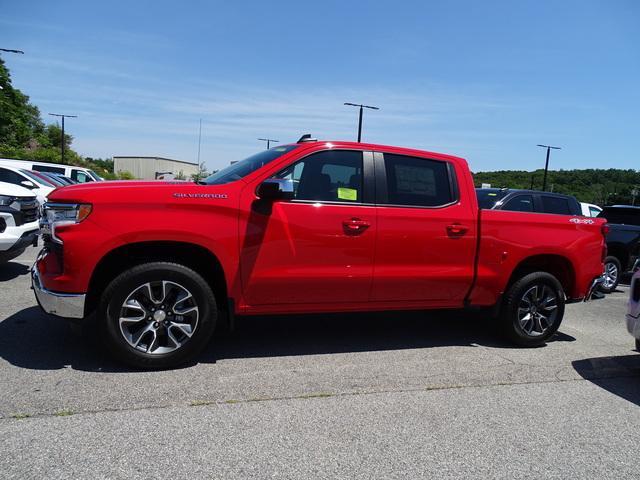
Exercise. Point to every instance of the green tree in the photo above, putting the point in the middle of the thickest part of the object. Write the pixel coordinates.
(125, 175)
(200, 174)
(23, 134)
(599, 186)
(20, 121)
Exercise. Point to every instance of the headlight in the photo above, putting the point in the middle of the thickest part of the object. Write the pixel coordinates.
(7, 200)
(59, 214)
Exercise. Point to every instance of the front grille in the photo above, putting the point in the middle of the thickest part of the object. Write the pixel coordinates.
(29, 210)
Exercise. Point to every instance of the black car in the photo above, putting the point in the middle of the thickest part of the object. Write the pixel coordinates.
(623, 243)
(527, 201)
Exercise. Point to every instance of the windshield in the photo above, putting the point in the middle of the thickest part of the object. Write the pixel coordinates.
(488, 197)
(244, 167)
(37, 179)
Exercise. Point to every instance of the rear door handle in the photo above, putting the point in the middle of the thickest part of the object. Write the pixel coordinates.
(355, 226)
(457, 229)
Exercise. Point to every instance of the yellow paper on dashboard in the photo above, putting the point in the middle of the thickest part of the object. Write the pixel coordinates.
(347, 194)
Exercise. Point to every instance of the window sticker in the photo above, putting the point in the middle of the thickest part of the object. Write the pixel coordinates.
(347, 194)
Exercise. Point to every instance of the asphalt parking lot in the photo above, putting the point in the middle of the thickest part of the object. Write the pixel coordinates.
(389, 395)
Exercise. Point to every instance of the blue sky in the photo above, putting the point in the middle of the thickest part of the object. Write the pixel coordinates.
(483, 80)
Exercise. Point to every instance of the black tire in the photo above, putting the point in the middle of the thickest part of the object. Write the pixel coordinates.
(612, 268)
(162, 277)
(515, 307)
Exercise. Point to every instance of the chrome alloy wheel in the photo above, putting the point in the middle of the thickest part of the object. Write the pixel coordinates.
(158, 317)
(538, 309)
(610, 275)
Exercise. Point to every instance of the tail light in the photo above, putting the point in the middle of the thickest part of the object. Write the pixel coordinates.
(605, 229)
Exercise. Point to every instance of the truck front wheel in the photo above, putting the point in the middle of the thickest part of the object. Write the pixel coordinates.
(157, 315)
(533, 309)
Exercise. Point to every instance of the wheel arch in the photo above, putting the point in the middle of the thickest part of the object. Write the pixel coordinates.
(557, 265)
(122, 258)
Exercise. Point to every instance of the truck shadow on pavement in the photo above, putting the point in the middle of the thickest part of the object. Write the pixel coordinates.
(12, 270)
(31, 339)
(618, 375)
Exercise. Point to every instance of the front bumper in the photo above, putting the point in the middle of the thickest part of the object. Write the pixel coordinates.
(66, 305)
(17, 237)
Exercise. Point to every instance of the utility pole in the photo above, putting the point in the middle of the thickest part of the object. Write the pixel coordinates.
(62, 142)
(360, 116)
(546, 165)
(268, 140)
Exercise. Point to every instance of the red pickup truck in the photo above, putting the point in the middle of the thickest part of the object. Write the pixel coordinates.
(314, 226)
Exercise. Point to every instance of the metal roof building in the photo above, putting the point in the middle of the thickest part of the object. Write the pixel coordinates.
(151, 168)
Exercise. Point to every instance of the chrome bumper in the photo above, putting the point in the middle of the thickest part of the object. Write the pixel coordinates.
(593, 289)
(67, 305)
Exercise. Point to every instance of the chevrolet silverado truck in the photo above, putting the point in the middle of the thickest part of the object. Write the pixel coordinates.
(309, 227)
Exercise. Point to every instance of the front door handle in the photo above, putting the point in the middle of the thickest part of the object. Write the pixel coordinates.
(355, 226)
(457, 229)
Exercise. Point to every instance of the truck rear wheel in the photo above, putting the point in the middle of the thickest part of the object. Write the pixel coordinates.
(533, 309)
(157, 315)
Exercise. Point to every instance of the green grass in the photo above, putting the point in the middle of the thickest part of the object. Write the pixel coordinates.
(20, 416)
(63, 413)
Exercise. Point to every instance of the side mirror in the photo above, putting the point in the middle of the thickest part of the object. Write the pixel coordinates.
(28, 184)
(275, 189)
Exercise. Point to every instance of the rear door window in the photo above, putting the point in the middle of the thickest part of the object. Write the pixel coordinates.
(557, 205)
(417, 182)
(519, 203)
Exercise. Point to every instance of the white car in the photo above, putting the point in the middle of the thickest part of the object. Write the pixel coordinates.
(18, 220)
(589, 209)
(77, 174)
(633, 311)
(22, 178)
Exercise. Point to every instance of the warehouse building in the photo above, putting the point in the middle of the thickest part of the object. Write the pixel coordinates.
(152, 168)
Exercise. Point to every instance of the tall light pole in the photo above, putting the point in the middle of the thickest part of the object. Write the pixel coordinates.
(546, 165)
(360, 116)
(62, 142)
(268, 140)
